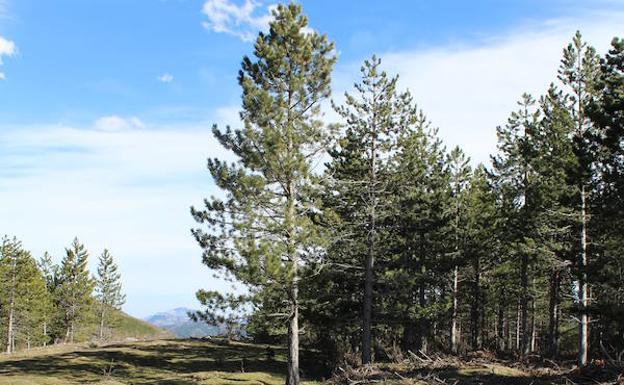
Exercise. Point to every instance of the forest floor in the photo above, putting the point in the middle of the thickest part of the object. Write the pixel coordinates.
(215, 362)
(480, 368)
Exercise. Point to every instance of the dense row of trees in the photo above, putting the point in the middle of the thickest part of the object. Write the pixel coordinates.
(398, 244)
(42, 302)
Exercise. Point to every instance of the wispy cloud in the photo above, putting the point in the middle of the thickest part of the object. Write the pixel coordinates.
(117, 123)
(241, 20)
(165, 78)
(469, 89)
(127, 188)
(4, 9)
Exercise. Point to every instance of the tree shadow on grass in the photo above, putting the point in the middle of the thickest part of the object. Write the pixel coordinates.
(155, 362)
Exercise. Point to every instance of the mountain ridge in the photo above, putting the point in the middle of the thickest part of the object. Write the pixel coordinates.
(178, 323)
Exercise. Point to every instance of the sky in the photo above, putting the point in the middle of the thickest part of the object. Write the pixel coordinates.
(106, 106)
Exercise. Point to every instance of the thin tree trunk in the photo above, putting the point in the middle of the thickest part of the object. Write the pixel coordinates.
(583, 290)
(518, 317)
(523, 306)
(533, 327)
(370, 259)
(583, 351)
(454, 338)
(509, 333)
(368, 295)
(10, 332)
(475, 308)
(293, 341)
(501, 322)
(553, 313)
(453, 334)
(292, 377)
(45, 333)
(422, 323)
(102, 322)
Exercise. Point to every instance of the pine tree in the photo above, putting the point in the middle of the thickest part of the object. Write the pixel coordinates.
(578, 71)
(108, 290)
(555, 220)
(422, 214)
(359, 174)
(74, 289)
(607, 114)
(516, 178)
(24, 300)
(261, 233)
(460, 174)
(49, 270)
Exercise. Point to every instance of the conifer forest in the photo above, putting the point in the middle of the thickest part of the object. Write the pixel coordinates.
(355, 241)
(370, 240)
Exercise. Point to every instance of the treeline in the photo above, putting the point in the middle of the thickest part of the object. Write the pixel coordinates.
(398, 244)
(43, 303)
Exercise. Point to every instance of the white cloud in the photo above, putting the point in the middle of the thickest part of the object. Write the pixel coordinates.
(114, 123)
(7, 47)
(165, 78)
(130, 191)
(467, 90)
(243, 21)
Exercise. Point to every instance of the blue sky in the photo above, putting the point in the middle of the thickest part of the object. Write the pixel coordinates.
(106, 105)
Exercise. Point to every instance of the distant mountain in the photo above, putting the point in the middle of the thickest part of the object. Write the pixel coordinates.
(177, 322)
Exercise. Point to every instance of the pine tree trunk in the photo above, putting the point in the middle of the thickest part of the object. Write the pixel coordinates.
(501, 321)
(454, 309)
(518, 317)
(45, 334)
(553, 313)
(370, 261)
(523, 329)
(10, 328)
(293, 341)
(368, 297)
(10, 323)
(510, 344)
(533, 327)
(292, 377)
(583, 291)
(475, 308)
(454, 338)
(102, 323)
(422, 322)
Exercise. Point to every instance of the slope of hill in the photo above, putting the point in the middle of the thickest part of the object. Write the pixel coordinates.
(124, 326)
(178, 323)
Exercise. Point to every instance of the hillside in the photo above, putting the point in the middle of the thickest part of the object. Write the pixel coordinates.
(180, 325)
(127, 326)
(124, 327)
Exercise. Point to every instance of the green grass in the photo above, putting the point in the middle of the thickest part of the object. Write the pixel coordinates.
(168, 362)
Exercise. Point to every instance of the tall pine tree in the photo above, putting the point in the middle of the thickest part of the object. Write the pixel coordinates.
(261, 232)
